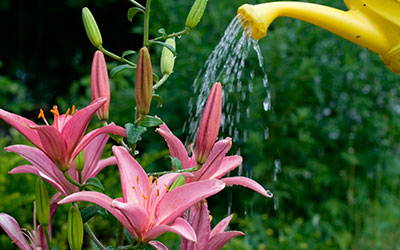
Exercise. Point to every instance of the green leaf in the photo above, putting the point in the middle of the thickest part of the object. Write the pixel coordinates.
(88, 212)
(176, 163)
(172, 49)
(120, 68)
(128, 52)
(151, 121)
(158, 98)
(94, 184)
(156, 78)
(132, 12)
(134, 133)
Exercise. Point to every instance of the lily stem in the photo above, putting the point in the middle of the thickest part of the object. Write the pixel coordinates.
(161, 82)
(114, 56)
(93, 236)
(157, 174)
(137, 4)
(172, 35)
(74, 182)
(146, 24)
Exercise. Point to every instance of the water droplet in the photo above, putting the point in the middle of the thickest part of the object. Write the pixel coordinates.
(276, 202)
(266, 133)
(277, 169)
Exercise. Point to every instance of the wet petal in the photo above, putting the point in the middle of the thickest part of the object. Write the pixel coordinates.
(177, 201)
(200, 221)
(219, 240)
(180, 226)
(11, 227)
(221, 226)
(247, 182)
(228, 164)
(99, 166)
(158, 245)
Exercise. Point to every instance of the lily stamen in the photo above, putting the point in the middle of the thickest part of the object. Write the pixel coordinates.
(54, 110)
(166, 187)
(41, 115)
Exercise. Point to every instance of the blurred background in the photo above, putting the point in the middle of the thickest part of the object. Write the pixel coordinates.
(328, 149)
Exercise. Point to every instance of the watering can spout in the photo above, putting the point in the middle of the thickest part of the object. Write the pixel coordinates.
(373, 24)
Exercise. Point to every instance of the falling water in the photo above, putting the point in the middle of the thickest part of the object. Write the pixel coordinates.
(277, 170)
(226, 64)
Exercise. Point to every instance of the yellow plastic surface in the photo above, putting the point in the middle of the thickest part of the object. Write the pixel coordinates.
(373, 24)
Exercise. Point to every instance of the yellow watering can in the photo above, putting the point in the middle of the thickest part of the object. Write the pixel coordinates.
(373, 24)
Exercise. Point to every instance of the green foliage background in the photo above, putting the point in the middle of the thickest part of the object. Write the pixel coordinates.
(334, 124)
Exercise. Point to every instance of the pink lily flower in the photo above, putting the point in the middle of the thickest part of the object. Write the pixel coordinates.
(13, 230)
(100, 84)
(217, 164)
(199, 218)
(65, 138)
(42, 165)
(148, 207)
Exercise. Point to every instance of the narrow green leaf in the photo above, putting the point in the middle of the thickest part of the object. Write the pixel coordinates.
(159, 100)
(94, 184)
(134, 133)
(120, 68)
(132, 12)
(156, 78)
(151, 121)
(176, 163)
(166, 45)
(127, 53)
(88, 212)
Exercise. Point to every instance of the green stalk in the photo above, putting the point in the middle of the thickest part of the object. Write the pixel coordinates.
(146, 24)
(46, 232)
(157, 174)
(137, 4)
(172, 35)
(74, 182)
(115, 57)
(161, 82)
(93, 236)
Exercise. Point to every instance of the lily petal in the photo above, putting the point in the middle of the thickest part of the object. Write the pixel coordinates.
(109, 129)
(99, 199)
(136, 214)
(176, 147)
(180, 226)
(247, 182)
(134, 180)
(75, 128)
(158, 245)
(219, 240)
(23, 126)
(228, 164)
(221, 226)
(178, 200)
(200, 221)
(13, 230)
(98, 167)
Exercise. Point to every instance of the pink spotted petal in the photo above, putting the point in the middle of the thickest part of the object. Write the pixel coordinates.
(53, 145)
(178, 200)
(176, 147)
(134, 180)
(228, 164)
(136, 214)
(11, 227)
(101, 200)
(214, 160)
(158, 245)
(219, 240)
(247, 182)
(180, 226)
(23, 126)
(75, 128)
(109, 129)
(221, 226)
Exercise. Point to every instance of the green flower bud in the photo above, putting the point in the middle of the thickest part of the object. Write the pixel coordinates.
(180, 181)
(167, 58)
(80, 161)
(91, 28)
(75, 229)
(143, 83)
(196, 13)
(42, 203)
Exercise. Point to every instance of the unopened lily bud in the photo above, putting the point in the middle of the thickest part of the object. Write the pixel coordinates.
(167, 58)
(80, 161)
(91, 28)
(144, 83)
(180, 181)
(196, 13)
(75, 229)
(100, 85)
(209, 125)
(42, 203)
